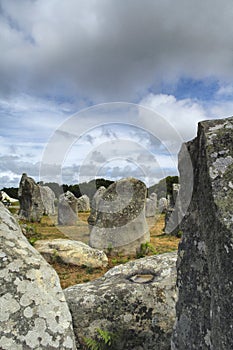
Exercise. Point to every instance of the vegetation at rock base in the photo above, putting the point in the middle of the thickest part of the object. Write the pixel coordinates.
(71, 275)
(104, 340)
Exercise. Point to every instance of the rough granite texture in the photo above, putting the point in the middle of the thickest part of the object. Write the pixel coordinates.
(121, 223)
(71, 252)
(204, 312)
(34, 314)
(67, 209)
(141, 315)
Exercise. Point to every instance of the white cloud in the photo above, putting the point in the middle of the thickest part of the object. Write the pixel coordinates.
(182, 115)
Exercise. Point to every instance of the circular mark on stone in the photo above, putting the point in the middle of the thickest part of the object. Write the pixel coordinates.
(142, 278)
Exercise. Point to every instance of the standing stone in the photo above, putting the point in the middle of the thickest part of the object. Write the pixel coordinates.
(151, 205)
(121, 223)
(31, 204)
(34, 313)
(94, 205)
(150, 208)
(204, 312)
(163, 205)
(135, 301)
(175, 192)
(48, 199)
(83, 203)
(173, 213)
(67, 209)
(154, 197)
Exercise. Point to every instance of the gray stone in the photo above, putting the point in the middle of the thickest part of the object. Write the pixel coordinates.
(67, 209)
(34, 313)
(175, 192)
(83, 203)
(135, 301)
(173, 214)
(150, 209)
(31, 204)
(71, 252)
(48, 198)
(94, 205)
(204, 313)
(163, 205)
(121, 224)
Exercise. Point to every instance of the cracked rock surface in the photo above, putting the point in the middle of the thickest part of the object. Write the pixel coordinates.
(135, 301)
(204, 313)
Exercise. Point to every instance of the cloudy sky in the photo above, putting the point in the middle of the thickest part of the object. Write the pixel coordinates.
(123, 60)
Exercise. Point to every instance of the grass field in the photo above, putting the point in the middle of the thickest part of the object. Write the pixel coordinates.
(70, 275)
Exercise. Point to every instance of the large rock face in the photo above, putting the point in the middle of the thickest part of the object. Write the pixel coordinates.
(205, 270)
(121, 223)
(135, 301)
(71, 252)
(31, 204)
(34, 313)
(83, 203)
(67, 209)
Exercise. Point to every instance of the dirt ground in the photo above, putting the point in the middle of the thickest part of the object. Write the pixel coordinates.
(69, 274)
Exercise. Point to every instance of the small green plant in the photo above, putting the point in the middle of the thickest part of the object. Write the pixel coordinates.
(109, 249)
(89, 270)
(32, 240)
(179, 234)
(145, 249)
(54, 256)
(104, 340)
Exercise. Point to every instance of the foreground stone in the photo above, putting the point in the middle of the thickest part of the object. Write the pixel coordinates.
(135, 301)
(83, 203)
(204, 313)
(121, 224)
(34, 313)
(67, 209)
(71, 252)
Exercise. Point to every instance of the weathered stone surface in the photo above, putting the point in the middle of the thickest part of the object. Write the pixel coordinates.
(31, 205)
(94, 205)
(83, 203)
(34, 313)
(121, 222)
(150, 209)
(35, 200)
(173, 214)
(163, 204)
(67, 209)
(48, 200)
(204, 313)
(71, 252)
(136, 301)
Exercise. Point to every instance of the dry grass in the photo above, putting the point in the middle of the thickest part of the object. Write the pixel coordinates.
(70, 275)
